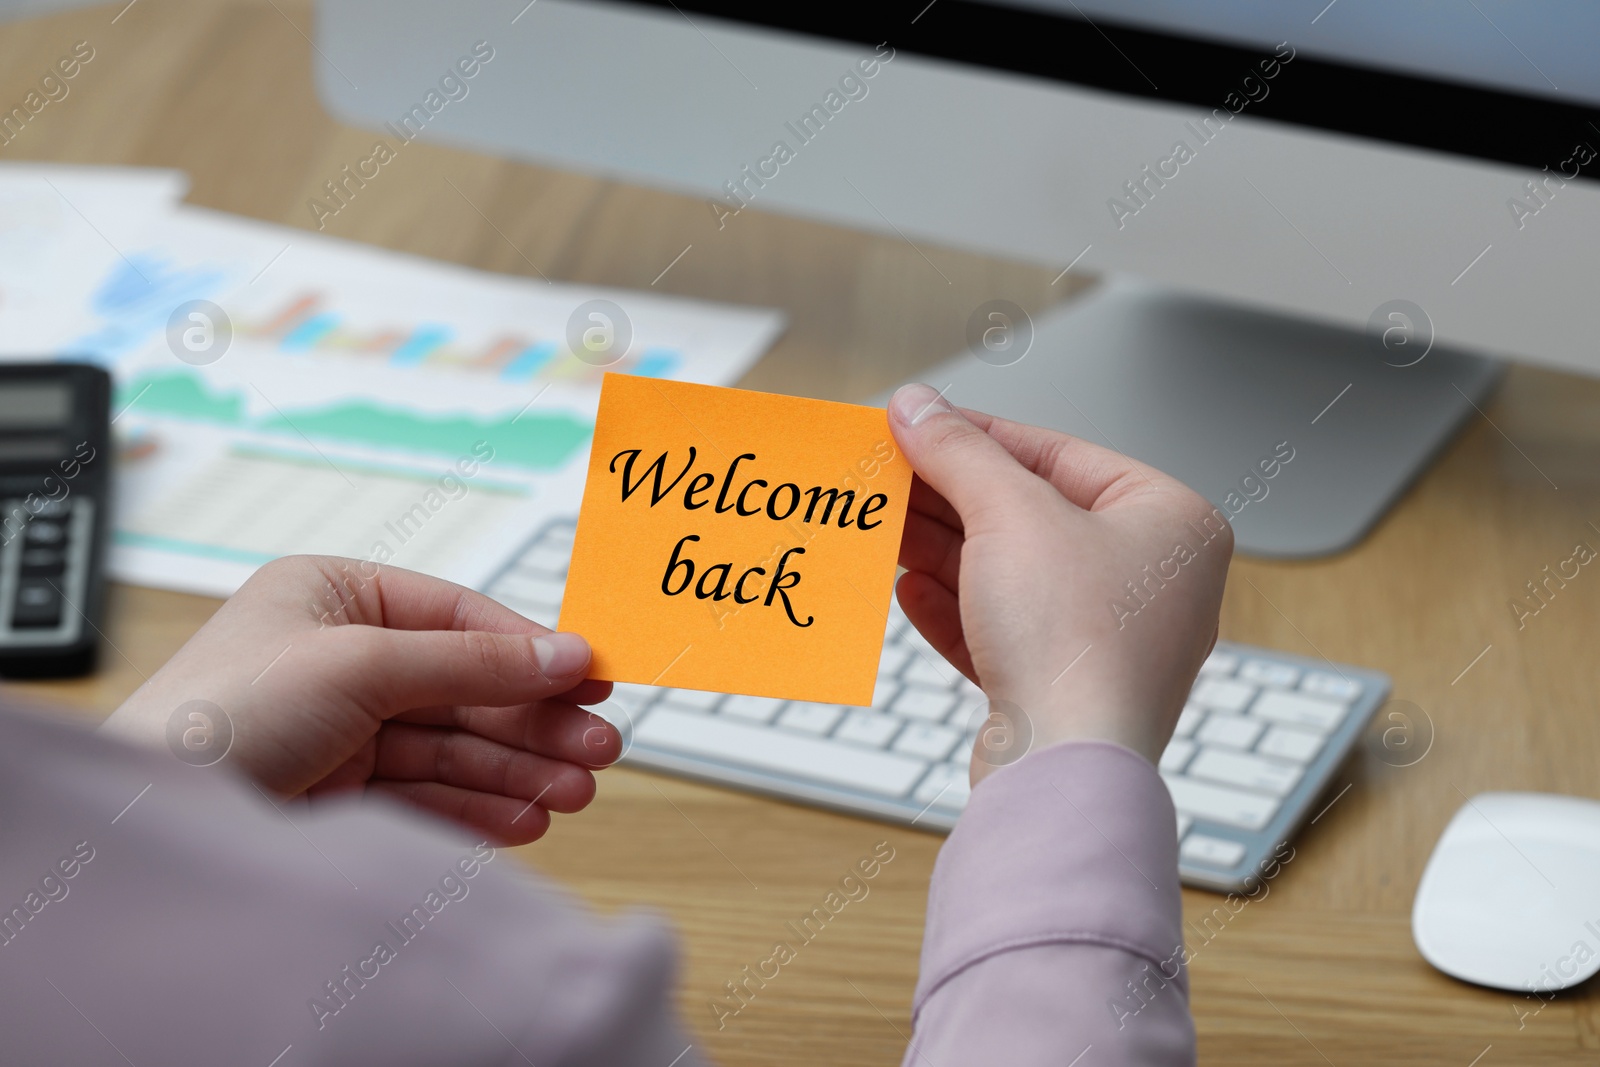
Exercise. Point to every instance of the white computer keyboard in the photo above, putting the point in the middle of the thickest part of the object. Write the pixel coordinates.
(1261, 736)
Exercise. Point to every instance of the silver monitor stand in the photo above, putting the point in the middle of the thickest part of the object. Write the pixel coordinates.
(1207, 392)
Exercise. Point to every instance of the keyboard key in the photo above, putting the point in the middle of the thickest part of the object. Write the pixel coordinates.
(1223, 694)
(1321, 684)
(780, 752)
(1211, 851)
(1265, 672)
(1245, 770)
(545, 559)
(1189, 720)
(971, 714)
(632, 698)
(1221, 804)
(1297, 709)
(1178, 753)
(1287, 743)
(1184, 822)
(36, 606)
(532, 609)
(962, 756)
(559, 533)
(868, 728)
(691, 698)
(893, 659)
(1230, 731)
(946, 786)
(935, 675)
(927, 740)
(533, 587)
(751, 709)
(912, 638)
(884, 691)
(920, 702)
(810, 718)
(1219, 664)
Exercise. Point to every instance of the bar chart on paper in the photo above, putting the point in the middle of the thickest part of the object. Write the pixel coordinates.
(307, 325)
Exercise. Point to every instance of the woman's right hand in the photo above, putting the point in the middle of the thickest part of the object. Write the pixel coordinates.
(1079, 589)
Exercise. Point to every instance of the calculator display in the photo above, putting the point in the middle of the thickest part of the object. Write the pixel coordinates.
(35, 405)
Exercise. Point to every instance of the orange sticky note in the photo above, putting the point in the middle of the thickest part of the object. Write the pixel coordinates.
(738, 542)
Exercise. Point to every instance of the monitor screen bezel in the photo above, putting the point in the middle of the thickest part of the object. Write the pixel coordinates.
(1429, 113)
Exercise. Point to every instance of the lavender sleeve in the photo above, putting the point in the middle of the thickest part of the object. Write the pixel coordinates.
(1054, 920)
(154, 912)
(157, 913)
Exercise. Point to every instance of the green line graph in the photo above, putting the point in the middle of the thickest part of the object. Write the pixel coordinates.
(532, 440)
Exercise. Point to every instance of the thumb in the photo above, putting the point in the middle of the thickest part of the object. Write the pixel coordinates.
(419, 668)
(962, 463)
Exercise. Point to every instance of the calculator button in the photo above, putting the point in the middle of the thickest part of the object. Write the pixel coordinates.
(41, 532)
(52, 509)
(37, 605)
(43, 562)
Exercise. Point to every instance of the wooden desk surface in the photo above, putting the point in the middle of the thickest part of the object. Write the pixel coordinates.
(1321, 970)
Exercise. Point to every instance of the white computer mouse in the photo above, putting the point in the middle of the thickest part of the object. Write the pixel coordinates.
(1511, 895)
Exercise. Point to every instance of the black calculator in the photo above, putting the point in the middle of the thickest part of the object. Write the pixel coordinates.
(55, 465)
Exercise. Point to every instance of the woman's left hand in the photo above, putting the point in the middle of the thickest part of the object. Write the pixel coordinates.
(338, 676)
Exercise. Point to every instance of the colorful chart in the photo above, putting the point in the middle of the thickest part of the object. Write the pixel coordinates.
(305, 326)
(531, 440)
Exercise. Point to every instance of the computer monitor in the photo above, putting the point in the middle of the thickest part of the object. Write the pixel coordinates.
(1321, 225)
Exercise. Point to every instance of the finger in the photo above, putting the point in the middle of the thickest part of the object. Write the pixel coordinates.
(936, 613)
(1088, 475)
(549, 728)
(932, 548)
(924, 500)
(503, 820)
(589, 693)
(404, 669)
(964, 465)
(399, 599)
(409, 753)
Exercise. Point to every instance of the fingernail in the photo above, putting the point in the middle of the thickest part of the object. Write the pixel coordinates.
(559, 655)
(913, 403)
